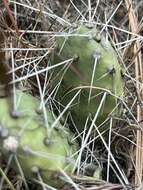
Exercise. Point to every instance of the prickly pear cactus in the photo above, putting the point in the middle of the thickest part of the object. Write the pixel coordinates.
(92, 67)
(39, 149)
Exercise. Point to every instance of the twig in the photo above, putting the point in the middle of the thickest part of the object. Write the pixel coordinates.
(139, 77)
(9, 12)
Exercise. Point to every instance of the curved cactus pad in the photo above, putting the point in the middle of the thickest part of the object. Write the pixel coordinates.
(37, 146)
(92, 67)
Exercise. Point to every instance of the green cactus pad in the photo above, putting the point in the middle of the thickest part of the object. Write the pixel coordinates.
(89, 52)
(27, 137)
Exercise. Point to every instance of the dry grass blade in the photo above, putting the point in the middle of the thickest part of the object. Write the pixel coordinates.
(6, 5)
(4, 77)
(91, 184)
(7, 180)
(139, 78)
(31, 29)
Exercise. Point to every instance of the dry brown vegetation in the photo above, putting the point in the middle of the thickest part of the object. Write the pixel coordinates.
(27, 38)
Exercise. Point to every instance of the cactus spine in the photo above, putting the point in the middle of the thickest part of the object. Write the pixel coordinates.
(27, 137)
(94, 69)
